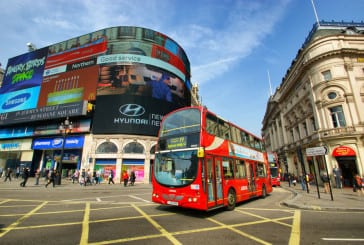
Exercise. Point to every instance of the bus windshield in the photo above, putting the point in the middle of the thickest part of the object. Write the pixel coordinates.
(274, 172)
(176, 168)
(181, 122)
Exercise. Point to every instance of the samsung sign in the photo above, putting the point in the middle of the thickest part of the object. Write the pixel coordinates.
(71, 142)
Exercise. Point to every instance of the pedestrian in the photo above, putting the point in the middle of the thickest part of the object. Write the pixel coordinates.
(94, 177)
(37, 176)
(294, 181)
(289, 180)
(17, 172)
(303, 182)
(25, 176)
(132, 178)
(75, 176)
(51, 178)
(97, 178)
(325, 179)
(358, 185)
(338, 177)
(8, 174)
(83, 177)
(111, 177)
(88, 177)
(125, 178)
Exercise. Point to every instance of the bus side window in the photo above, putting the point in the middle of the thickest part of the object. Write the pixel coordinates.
(260, 171)
(228, 167)
(240, 170)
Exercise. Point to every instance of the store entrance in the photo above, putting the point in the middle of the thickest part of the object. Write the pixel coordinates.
(348, 169)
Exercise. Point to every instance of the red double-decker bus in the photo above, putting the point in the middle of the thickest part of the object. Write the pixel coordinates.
(275, 171)
(205, 162)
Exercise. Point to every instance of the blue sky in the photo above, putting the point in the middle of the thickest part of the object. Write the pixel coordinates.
(232, 45)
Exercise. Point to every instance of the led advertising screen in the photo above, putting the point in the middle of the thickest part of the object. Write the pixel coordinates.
(24, 71)
(111, 67)
(129, 114)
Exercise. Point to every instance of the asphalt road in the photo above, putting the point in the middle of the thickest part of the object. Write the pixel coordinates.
(112, 214)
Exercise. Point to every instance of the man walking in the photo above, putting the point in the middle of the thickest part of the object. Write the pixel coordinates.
(8, 174)
(26, 173)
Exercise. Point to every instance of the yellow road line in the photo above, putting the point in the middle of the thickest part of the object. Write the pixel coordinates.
(85, 227)
(296, 229)
(239, 232)
(16, 223)
(264, 218)
(168, 235)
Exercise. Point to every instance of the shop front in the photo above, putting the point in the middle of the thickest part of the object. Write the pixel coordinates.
(136, 165)
(347, 162)
(105, 167)
(48, 152)
(16, 154)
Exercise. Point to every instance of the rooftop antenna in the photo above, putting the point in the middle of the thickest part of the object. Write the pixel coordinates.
(316, 16)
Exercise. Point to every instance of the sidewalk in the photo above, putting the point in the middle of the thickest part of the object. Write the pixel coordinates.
(343, 199)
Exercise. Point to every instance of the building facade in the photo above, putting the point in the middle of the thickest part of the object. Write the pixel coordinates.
(315, 119)
(111, 86)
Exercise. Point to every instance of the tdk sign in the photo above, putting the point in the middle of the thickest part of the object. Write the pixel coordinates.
(15, 101)
(132, 110)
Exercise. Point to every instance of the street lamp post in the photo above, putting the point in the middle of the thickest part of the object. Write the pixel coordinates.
(65, 128)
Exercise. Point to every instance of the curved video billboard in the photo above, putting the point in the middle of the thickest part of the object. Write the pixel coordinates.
(133, 75)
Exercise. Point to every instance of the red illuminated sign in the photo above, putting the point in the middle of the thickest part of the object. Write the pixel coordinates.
(343, 151)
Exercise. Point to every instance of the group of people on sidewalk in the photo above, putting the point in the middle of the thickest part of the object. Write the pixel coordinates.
(84, 177)
(358, 182)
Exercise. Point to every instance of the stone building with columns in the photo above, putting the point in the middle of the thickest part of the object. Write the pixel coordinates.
(320, 105)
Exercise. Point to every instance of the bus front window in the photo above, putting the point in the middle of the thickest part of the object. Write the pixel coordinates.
(176, 168)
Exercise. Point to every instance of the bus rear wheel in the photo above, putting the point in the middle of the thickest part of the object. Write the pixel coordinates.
(264, 192)
(231, 199)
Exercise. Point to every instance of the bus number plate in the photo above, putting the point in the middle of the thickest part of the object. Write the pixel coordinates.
(172, 203)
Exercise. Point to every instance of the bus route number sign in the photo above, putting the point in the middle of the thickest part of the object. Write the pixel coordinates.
(178, 142)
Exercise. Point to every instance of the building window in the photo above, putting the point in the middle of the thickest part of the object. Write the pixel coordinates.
(313, 123)
(292, 135)
(107, 147)
(126, 32)
(332, 95)
(152, 150)
(327, 75)
(337, 116)
(134, 147)
(304, 125)
(298, 132)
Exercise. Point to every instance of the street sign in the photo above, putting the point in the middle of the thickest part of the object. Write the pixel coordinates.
(316, 151)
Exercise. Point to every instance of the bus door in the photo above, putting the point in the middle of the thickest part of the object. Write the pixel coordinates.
(214, 181)
(251, 178)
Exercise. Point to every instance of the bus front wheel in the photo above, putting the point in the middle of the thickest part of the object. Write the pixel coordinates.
(231, 199)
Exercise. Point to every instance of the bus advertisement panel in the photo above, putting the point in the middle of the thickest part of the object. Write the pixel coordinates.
(204, 162)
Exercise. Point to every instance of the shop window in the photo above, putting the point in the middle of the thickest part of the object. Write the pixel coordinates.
(107, 147)
(134, 147)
